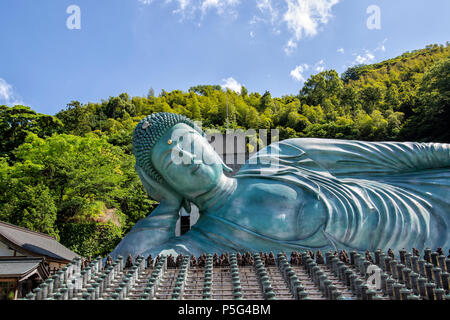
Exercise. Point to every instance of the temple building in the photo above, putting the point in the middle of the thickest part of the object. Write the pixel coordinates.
(27, 258)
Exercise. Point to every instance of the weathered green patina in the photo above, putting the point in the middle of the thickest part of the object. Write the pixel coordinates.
(292, 195)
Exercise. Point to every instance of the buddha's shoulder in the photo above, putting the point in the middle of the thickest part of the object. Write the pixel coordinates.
(256, 188)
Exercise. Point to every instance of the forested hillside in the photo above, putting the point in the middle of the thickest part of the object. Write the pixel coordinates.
(72, 175)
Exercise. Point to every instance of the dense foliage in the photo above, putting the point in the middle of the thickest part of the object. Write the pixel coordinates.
(72, 175)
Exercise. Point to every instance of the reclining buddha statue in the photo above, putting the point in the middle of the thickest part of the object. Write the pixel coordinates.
(297, 194)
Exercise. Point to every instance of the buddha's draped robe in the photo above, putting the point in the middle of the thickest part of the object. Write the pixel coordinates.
(378, 194)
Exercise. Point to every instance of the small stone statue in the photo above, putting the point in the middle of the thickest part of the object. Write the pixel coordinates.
(271, 259)
(179, 260)
(129, 262)
(263, 258)
(391, 254)
(296, 258)
(202, 260)
(344, 257)
(149, 261)
(239, 260)
(85, 263)
(224, 260)
(369, 256)
(109, 261)
(216, 262)
(319, 258)
(193, 261)
(248, 259)
(171, 262)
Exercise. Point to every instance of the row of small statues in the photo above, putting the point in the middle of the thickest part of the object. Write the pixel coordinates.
(247, 259)
(296, 258)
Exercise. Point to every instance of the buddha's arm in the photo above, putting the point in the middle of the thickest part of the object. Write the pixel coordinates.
(150, 232)
(348, 158)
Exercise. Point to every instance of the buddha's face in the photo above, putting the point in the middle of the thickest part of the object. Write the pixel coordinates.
(186, 161)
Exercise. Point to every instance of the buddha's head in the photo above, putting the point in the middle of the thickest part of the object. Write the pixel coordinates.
(172, 150)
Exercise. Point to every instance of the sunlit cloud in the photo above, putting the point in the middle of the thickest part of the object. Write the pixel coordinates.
(320, 66)
(296, 18)
(365, 58)
(304, 17)
(232, 84)
(189, 8)
(297, 73)
(290, 47)
(7, 94)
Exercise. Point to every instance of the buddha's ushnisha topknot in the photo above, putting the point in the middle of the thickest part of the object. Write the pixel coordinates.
(148, 132)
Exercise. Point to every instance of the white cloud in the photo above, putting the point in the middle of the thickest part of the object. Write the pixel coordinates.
(368, 56)
(189, 8)
(7, 94)
(320, 66)
(267, 9)
(219, 5)
(365, 58)
(183, 4)
(290, 47)
(381, 46)
(5, 90)
(297, 73)
(299, 18)
(304, 17)
(341, 50)
(232, 84)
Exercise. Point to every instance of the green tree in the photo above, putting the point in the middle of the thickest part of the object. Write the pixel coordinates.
(18, 121)
(75, 118)
(432, 114)
(318, 87)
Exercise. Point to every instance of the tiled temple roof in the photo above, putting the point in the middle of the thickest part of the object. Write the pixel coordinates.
(34, 243)
(18, 266)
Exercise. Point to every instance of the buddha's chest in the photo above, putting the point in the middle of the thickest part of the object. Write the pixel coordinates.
(270, 209)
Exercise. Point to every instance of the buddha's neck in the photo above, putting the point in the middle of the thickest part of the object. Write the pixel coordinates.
(218, 196)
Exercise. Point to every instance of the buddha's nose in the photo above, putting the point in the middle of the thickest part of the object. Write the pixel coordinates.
(186, 154)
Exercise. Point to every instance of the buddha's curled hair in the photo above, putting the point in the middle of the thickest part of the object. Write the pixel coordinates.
(147, 133)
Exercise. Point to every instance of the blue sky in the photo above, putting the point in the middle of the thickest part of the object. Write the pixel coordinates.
(132, 45)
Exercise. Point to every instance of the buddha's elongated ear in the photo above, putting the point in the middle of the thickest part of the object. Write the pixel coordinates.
(225, 167)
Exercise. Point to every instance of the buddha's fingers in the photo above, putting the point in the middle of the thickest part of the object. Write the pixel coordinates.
(150, 232)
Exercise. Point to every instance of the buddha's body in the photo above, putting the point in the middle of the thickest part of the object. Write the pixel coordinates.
(318, 194)
(259, 215)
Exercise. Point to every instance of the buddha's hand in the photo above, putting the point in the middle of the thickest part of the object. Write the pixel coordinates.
(160, 191)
